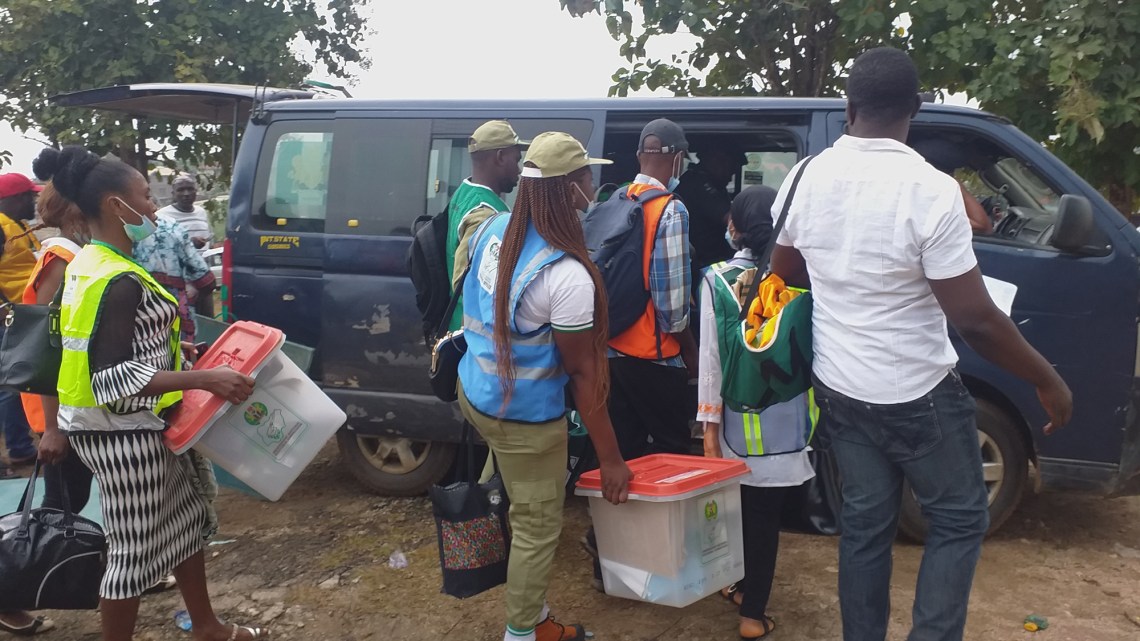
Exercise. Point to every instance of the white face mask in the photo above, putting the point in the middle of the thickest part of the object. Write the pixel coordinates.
(589, 201)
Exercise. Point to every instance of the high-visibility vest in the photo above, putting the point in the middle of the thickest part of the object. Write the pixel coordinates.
(53, 250)
(778, 429)
(539, 394)
(85, 282)
(644, 338)
(18, 259)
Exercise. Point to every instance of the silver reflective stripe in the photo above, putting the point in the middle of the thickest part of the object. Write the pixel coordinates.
(543, 255)
(527, 373)
(475, 326)
(72, 344)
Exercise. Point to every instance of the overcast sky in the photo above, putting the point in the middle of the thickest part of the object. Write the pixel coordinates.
(466, 49)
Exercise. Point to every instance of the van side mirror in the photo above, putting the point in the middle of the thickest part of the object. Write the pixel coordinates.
(1074, 226)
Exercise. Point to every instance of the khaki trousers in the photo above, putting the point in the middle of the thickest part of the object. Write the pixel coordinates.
(532, 462)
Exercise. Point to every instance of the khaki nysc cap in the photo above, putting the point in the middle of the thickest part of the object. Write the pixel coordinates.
(554, 153)
(496, 134)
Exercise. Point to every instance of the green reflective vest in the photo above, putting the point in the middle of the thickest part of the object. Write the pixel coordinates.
(790, 424)
(761, 376)
(468, 197)
(85, 282)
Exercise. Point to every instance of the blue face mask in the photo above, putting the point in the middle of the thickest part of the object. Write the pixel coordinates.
(673, 182)
(140, 232)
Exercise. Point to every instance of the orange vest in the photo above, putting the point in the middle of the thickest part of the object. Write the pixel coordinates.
(33, 405)
(642, 339)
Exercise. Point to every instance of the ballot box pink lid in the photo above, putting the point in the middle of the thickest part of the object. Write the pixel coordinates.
(669, 476)
(245, 347)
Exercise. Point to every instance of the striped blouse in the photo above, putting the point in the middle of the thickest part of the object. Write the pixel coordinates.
(126, 352)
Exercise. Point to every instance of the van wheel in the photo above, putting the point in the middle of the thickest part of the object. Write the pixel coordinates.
(393, 465)
(1005, 467)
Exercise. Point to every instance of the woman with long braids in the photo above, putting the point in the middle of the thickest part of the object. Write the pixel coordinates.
(121, 371)
(535, 322)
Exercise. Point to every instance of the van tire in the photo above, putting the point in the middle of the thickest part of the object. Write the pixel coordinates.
(1003, 448)
(361, 454)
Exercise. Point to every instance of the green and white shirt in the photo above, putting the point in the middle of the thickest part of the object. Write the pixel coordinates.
(471, 205)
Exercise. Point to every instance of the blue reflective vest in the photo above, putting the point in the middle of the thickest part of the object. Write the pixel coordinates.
(540, 379)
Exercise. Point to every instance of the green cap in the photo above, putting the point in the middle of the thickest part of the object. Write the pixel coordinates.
(554, 153)
(496, 134)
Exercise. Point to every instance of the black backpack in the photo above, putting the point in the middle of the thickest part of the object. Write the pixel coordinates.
(427, 265)
(615, 238)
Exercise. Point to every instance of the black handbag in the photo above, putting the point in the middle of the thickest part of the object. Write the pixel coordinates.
(472, 529)
(50, 559)
(447, 351)
(814, 507)
(32, 349)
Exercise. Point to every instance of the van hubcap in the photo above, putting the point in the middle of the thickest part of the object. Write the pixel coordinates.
(993, 465)
(393, 454)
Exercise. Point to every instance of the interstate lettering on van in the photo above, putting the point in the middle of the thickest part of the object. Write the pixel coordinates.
(280, 242)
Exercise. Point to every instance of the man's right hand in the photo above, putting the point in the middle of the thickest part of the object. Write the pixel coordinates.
(228, 384)
(615, 481)
(1057, 399)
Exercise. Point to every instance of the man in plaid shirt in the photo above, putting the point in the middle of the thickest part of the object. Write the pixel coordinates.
(652, 362)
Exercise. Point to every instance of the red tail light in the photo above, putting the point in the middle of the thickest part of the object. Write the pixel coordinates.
(227, 279)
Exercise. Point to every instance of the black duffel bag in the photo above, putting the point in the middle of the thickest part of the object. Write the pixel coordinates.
(50, 559)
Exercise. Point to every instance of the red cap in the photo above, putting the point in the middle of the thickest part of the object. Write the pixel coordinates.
(16, 184)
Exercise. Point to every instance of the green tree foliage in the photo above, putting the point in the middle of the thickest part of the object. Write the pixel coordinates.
(58, 46)
(745, 47)
(1065, 71)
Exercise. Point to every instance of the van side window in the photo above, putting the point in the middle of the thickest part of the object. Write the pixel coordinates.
(292, 190)
(379, 171)
(449, 163)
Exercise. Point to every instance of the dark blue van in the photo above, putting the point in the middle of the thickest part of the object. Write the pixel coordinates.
(325, 191)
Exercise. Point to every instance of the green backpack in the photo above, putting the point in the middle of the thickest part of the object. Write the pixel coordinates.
(759, 377)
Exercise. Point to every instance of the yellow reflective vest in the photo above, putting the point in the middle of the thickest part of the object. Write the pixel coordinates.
(85, 282)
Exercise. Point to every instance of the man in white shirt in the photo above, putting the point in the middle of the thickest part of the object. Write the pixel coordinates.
(191, 217)
(883, 240)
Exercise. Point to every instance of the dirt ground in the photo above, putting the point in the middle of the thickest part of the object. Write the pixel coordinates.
(315, 567)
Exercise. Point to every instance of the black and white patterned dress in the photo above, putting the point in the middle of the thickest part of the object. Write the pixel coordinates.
(153, 515)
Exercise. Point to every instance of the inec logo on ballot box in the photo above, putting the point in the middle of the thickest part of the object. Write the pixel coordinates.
(712, 510)
(256, 413)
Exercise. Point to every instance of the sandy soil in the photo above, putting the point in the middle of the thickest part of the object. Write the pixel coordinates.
(315, 567)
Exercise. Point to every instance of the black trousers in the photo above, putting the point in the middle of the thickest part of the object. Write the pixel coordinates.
(761, 507)
(649, 400)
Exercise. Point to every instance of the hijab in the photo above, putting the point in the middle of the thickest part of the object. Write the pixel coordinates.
(751, 214)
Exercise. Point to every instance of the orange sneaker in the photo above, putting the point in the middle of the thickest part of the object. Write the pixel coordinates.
(551, 630)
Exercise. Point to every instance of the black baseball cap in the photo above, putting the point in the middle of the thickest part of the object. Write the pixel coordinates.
(671, 135)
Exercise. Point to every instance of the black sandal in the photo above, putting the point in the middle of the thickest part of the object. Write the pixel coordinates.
(769, 625)
(38, 625)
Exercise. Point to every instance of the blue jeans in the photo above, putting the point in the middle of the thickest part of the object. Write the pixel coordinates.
(17, 432)
(932, 442)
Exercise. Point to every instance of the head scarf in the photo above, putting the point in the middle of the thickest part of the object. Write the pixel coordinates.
(751, 213)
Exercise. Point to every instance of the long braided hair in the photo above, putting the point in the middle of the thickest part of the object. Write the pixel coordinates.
(546, 203)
